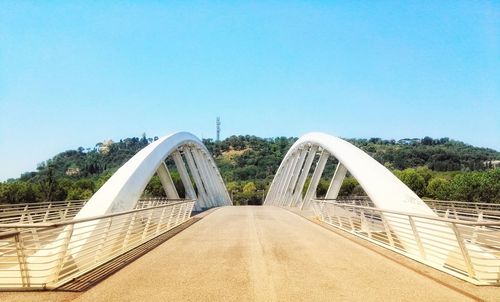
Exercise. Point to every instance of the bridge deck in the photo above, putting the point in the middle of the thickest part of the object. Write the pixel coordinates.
(259, 254)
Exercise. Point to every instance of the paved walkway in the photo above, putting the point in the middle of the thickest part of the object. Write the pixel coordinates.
(259, 254)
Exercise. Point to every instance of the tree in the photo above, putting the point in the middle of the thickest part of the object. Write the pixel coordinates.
(466, 187)
(413, 180)
(490, 186)
(425, 172)
(348, 186)
(155, 188)
(438, 188)
(47, 180)
(232, 186)
(249, 188)
(427, 141)
(79, 194)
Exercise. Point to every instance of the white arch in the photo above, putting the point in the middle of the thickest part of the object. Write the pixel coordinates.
(122, 191)
(125, 187)
(384, 188)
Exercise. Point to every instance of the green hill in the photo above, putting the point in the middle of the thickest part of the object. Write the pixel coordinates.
(437, 168)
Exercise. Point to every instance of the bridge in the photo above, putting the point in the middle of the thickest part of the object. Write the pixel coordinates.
(295, 247)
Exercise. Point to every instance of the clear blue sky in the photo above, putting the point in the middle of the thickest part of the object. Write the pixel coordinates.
(75, 73)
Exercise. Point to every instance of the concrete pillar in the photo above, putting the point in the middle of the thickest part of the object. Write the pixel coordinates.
(336, 183)
(275, 184)
(186, 180)
(272, 195)
(167, 182)
(203, 177)
(287, 178)
(284, 179)
(313, 185)
(202, 195)
(295, 176)
(201, 163)
(297, 195)
(228, 199)
(220, 183)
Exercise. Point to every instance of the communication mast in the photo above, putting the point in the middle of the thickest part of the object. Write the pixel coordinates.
(217, 123)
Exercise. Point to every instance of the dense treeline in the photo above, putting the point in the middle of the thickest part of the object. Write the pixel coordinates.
(73, 174)
(437, 154)
(435, 168)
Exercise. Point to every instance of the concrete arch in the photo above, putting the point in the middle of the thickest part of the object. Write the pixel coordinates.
(125, 187)
(384, 189)
(122, 191)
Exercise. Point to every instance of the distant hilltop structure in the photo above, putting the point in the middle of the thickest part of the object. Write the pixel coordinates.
(73, 171)
(492, 164)
(104, 146)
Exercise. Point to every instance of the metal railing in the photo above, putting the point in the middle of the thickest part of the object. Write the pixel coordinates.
(462, 210)
(49, 254)
(40, 211)
(469, 250)
(52, 211)
(470, 211)
(153, 202)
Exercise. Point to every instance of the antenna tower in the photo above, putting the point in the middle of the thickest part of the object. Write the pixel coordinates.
(217, 123)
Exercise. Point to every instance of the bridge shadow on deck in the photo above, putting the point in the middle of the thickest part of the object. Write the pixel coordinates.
(92, 278)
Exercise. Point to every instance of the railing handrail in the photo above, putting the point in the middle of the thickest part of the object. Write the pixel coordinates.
(489, 204)
(75, 221)
(440, 205)
(442, 219)
(37, 210)
(19, 205)
(13, 205)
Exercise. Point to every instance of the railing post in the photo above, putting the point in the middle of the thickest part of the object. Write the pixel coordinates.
(339, 220)
(387, 231)
(146, 227)
(317, 208)
(158, 227)
(66, 210)
(46, 216)
(33, 231)
(103, 240)
(187, 212)
(417, 237)
(366, 223)
(60, 262)
(21, 258)
(351, 223)
(170, 216)
(477, 227)
(24, 213)
(463, 249)
(330, 210)
(454, 211)
(179, 211)
(129, 231)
